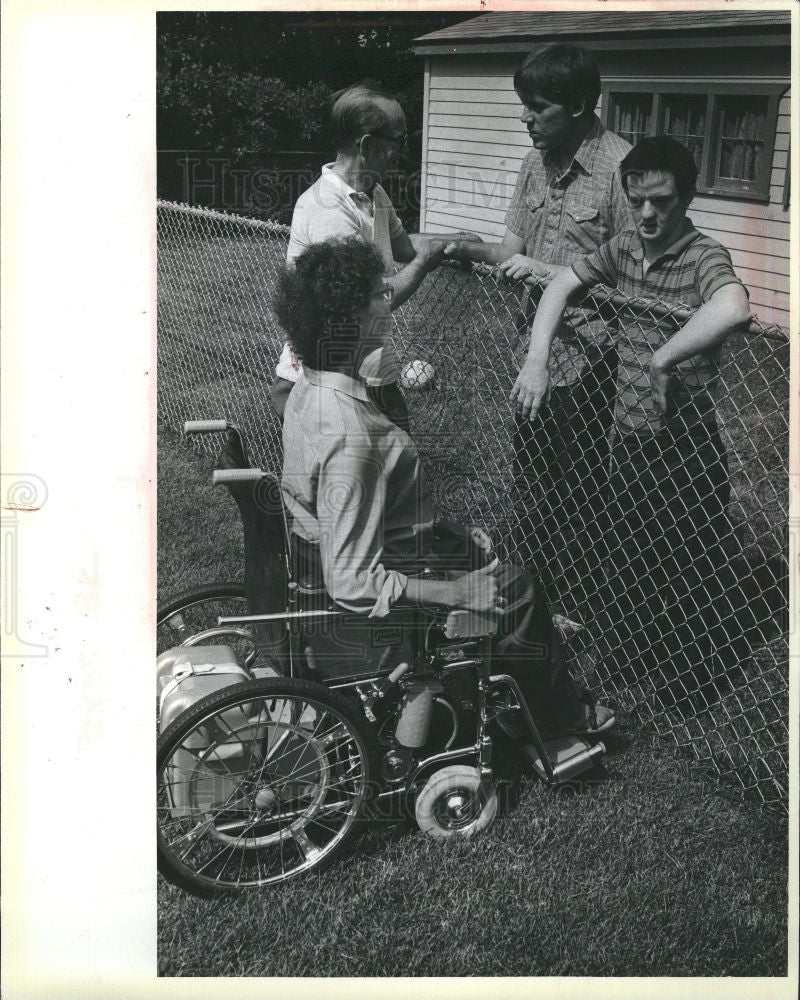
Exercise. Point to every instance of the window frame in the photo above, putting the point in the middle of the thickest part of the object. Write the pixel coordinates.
(787, 180)
(707, 181)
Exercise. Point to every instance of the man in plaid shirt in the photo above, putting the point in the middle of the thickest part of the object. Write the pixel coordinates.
(667, 598)
(568, 201)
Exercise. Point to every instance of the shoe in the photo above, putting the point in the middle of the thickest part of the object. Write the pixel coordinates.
(597, 719)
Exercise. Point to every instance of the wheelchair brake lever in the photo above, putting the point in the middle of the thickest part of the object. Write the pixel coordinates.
(382, 688)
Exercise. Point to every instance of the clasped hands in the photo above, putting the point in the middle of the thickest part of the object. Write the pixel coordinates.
(518, 267)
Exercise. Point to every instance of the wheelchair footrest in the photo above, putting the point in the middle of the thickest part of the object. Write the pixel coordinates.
(569, 757)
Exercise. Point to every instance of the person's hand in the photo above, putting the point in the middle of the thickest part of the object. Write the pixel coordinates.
(430, 254)
(660, 378)
(478, 591)
(481, 540)
(459, 249)
(531, 389)
(518, 266)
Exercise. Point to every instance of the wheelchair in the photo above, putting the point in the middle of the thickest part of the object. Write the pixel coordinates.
(286, 721)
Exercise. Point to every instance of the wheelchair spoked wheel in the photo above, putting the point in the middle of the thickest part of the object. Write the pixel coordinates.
(196, 611)
(259, 783)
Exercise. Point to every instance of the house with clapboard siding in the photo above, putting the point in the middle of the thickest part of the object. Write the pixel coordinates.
(716, 80)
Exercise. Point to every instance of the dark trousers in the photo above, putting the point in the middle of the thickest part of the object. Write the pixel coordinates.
(527, 645)
(528, 648)
(388, 398)
(561, 471)
(670, 599)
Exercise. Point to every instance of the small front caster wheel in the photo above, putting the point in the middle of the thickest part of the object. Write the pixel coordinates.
(455, 804)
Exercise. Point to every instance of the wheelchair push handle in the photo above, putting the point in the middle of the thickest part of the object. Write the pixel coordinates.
(221, 477)
(235, 449)
(205, 426)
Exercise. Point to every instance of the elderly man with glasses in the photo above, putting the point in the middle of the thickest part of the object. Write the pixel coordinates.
(368, 130)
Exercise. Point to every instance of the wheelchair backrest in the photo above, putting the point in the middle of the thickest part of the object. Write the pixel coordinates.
(267, 559)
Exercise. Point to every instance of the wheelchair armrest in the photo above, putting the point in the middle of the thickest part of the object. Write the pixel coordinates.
(463, 624)
(459, 623)
(306, 591)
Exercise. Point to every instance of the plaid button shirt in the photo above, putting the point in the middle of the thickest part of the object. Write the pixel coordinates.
(686, 274)
(562, 216)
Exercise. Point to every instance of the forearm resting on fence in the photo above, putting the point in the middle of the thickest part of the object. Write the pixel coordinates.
(727, 309)
(532, 386)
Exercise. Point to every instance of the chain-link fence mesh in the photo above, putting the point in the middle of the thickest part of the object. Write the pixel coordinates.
(667, 546)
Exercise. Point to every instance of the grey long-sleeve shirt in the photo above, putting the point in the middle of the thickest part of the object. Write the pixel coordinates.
(354, 485)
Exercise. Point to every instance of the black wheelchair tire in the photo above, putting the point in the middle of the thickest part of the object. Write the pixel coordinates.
(355, 737)
(204, 602)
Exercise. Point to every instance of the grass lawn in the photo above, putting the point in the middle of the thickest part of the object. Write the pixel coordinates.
(650, 872)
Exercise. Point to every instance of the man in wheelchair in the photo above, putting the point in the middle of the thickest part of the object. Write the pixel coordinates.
(361, 511)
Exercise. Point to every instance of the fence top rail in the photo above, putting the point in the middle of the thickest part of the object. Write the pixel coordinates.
(213, 213)
(655, 307)
(638, 306)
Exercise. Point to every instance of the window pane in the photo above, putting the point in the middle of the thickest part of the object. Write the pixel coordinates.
(685, 120)
(742, 124)
(632, 116)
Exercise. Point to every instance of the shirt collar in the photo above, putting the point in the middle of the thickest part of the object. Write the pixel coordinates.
(587, 151)
(687, 235)
(331, 177)
(338, 381)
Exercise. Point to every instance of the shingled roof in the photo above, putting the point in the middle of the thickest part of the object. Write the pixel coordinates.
(510, 28)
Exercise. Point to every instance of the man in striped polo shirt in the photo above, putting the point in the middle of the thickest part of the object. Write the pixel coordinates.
(670, 483)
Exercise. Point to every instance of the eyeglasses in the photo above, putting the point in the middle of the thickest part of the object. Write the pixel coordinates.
(386, 293)
(401, 140)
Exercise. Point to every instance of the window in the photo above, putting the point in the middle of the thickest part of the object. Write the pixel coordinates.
(787, 182)
(685, 120)
(730, 134)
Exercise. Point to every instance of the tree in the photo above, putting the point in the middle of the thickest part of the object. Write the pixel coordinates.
(249, 85)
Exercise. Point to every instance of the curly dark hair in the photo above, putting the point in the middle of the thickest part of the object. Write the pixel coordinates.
(319, 298)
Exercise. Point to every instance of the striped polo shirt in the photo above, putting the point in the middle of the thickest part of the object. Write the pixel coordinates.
(687, 274)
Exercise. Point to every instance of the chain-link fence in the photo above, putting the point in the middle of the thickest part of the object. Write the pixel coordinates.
(666, 544)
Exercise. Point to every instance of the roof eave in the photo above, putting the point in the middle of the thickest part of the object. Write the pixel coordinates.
(599, 43)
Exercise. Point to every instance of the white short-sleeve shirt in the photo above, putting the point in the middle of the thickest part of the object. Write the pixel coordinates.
(331, 209)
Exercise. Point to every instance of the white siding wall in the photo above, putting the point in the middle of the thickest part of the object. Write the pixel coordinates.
(475, 143)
